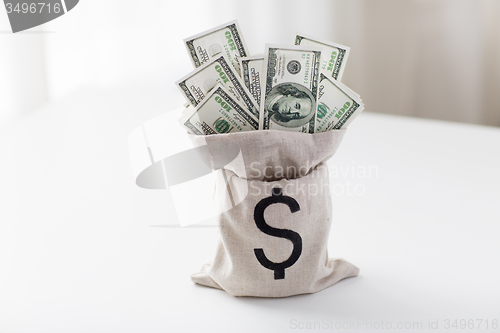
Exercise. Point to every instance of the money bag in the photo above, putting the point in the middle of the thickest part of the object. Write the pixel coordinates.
(276, 214)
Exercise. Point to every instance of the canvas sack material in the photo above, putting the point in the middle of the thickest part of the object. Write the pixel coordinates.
(276, 213)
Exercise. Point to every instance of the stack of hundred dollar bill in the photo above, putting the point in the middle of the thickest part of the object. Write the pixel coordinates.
(289, 87)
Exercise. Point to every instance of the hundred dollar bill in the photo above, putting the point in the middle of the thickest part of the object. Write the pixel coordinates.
(198, 83)
(291, 75)
(251, 74)
(337, 106)
(225, 39)
(219, 113)
(334, 56)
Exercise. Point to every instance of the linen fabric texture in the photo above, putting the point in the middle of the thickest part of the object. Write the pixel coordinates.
(276, 213)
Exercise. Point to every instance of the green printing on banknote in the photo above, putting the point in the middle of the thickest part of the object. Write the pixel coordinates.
(251, 77)
(225, 73)
(234, 42)
(245, 74)
(224, 123)
(341, 115)
(335, 60)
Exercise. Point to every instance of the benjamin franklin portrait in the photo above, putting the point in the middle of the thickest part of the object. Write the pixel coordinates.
(290, 105)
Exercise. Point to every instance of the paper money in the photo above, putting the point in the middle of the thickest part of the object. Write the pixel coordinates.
(337, 106)
(225, 39)
(251, 74)
(198, 83)
(290, 89)
(334, 55)
(219, 113)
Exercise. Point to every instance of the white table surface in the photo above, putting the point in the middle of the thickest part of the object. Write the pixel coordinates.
(82, 248)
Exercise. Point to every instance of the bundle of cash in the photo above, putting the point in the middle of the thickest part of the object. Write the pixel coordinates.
(289, 87)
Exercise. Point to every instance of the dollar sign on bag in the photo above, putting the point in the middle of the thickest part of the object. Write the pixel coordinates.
(278, 268)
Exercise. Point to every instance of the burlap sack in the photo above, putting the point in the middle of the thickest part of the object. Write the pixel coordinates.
(273, 242)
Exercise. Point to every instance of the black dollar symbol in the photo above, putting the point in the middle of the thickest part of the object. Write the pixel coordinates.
(277, 197)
